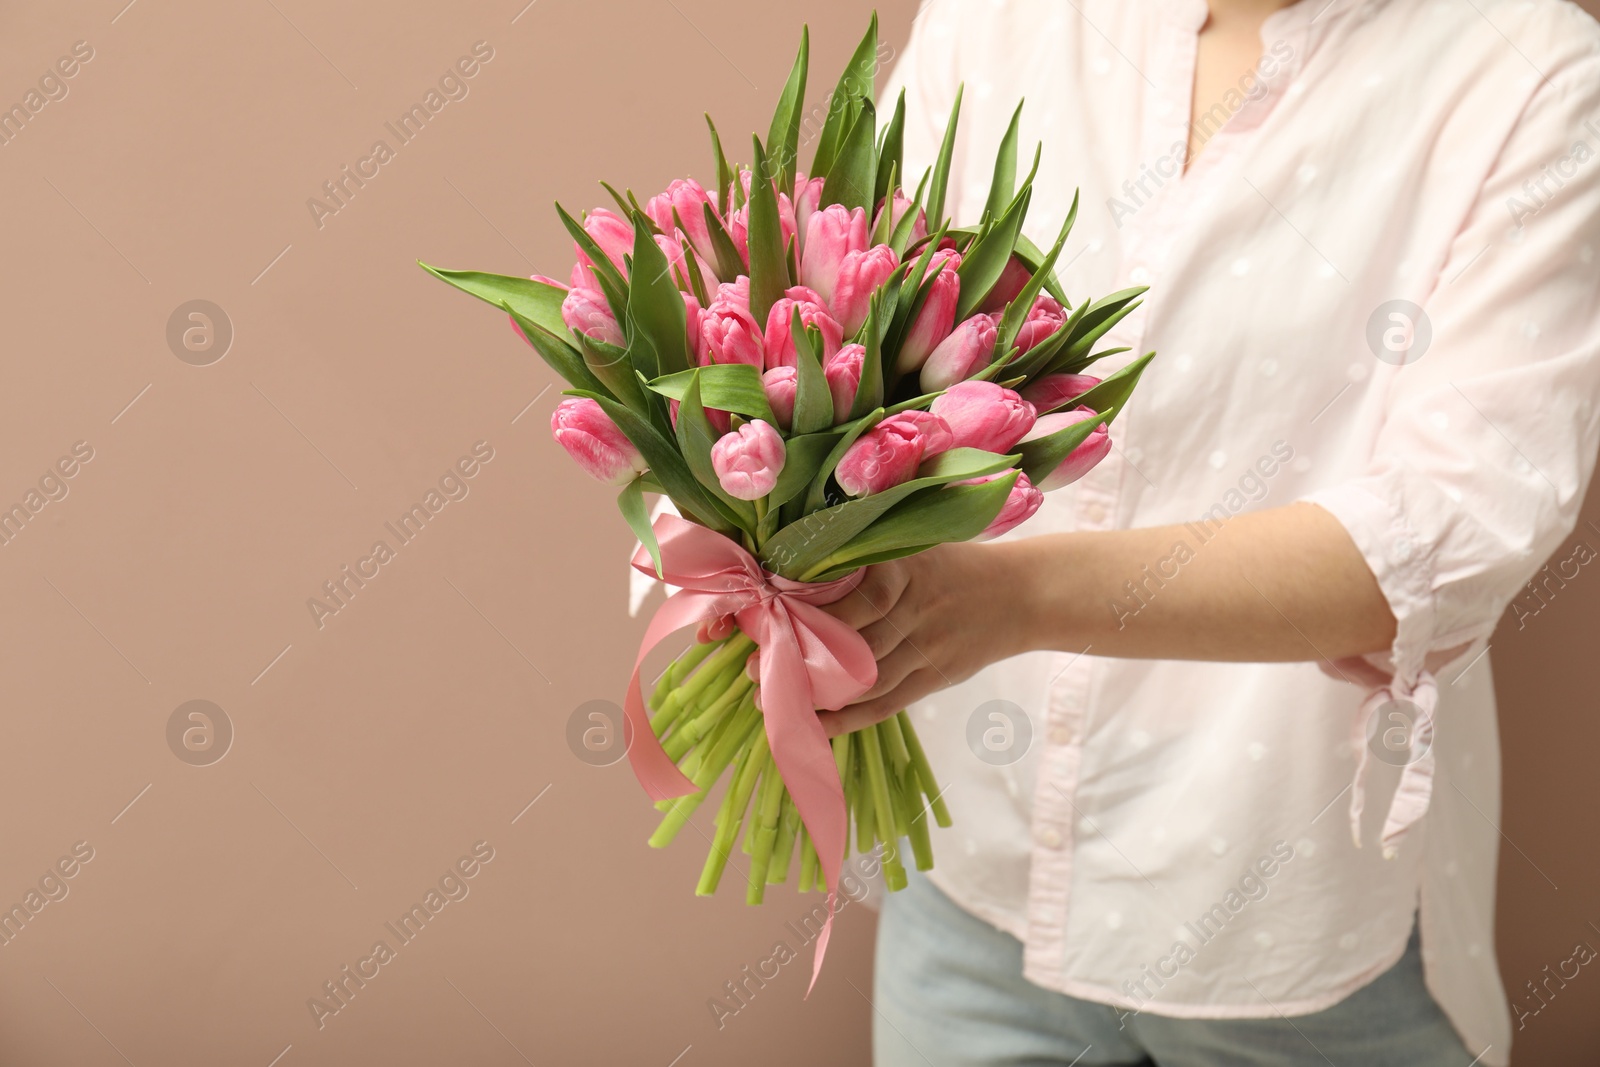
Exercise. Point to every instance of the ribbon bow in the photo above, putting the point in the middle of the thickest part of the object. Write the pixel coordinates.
(809, 660)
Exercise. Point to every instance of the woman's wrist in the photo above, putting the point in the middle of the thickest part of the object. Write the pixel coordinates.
(1035, 606)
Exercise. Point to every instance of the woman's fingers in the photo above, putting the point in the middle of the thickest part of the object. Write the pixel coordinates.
(874, 598)
(858, 716)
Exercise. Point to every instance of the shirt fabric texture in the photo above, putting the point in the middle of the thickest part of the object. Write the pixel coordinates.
(1436, 152)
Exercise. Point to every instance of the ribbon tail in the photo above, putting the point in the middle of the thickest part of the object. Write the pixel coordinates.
(804, 758)
(661, 778)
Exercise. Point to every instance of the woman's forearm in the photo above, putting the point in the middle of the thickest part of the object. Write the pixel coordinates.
(1279, 585)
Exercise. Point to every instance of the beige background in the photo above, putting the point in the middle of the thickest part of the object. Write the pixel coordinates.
(427, 714)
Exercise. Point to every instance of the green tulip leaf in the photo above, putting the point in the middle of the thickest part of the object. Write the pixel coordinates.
(534, 301)
(1043, 456)
(954, 513)
(732, 387)
(631, 503)
(783, 138)
(941, 169)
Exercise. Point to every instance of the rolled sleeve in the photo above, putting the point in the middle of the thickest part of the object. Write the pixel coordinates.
(1486, 444)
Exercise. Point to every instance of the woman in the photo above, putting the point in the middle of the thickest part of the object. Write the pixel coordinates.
(1369, 230)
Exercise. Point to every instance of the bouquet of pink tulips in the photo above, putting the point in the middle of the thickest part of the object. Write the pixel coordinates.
(822, 373)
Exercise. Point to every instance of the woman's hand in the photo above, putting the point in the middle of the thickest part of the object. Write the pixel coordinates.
(931, 620)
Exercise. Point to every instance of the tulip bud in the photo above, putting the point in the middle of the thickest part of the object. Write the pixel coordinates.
(1044, 319)
(718, 419)
(688, 199)
(968, 349)
(843, 373)
(807, 199)
(691, 321)
(1012, 281)
(1081, 459)
(749, 460)
(860, 275)
(612, 233)
(831, 234)
(813, 312)
(728, 332)
(1023, 500)
(938, 315)
(780, 385)
(898, 206)
(1054, 390)
(582, 427)
(890, 452)
(586, 313)
(678, 263)
(739, 222)
(583, 274)
(984, 415)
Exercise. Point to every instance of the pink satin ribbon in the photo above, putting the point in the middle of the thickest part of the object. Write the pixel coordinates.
(809, 660)
(1414, 792)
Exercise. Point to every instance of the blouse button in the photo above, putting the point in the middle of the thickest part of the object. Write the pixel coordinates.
(1095, 513)
(1139, 276)
(1061, 736)
(1049, 838)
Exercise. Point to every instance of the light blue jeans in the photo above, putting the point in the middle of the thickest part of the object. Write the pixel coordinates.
(949, 992)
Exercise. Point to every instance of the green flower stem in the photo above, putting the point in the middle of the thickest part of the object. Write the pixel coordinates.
(766, 832)
(921, 839)
(689, 735)
(894, 743)
(737, 647)
(919, 760)
(731, 816)
(808, 863)
(843, 763)
(783, 847)
(894, 875)
(679, 669)
(720, 755)
(866, 824)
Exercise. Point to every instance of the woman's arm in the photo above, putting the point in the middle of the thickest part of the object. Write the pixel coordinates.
(1285, 584)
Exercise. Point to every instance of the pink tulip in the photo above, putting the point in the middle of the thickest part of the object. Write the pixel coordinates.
(612, 233)
(968, 349)
(583, 274)
(1019, 507)
(582, 427)
(780, 385)
(586, 312)
(688, 199)
(831, 234)
(891, 451)
(728, 332)
(1012, 281)
(843, 373)
(898, 206)
(739, 222)
(1044, 319)
(984, 415)
(691, 322)
(541, 279)
(749, 460)
(720, 420)
(860, 275)
(678, 263)
(938, 315)
(813, 312)
(1053, 390)
(1081, 459)
(807, 198)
